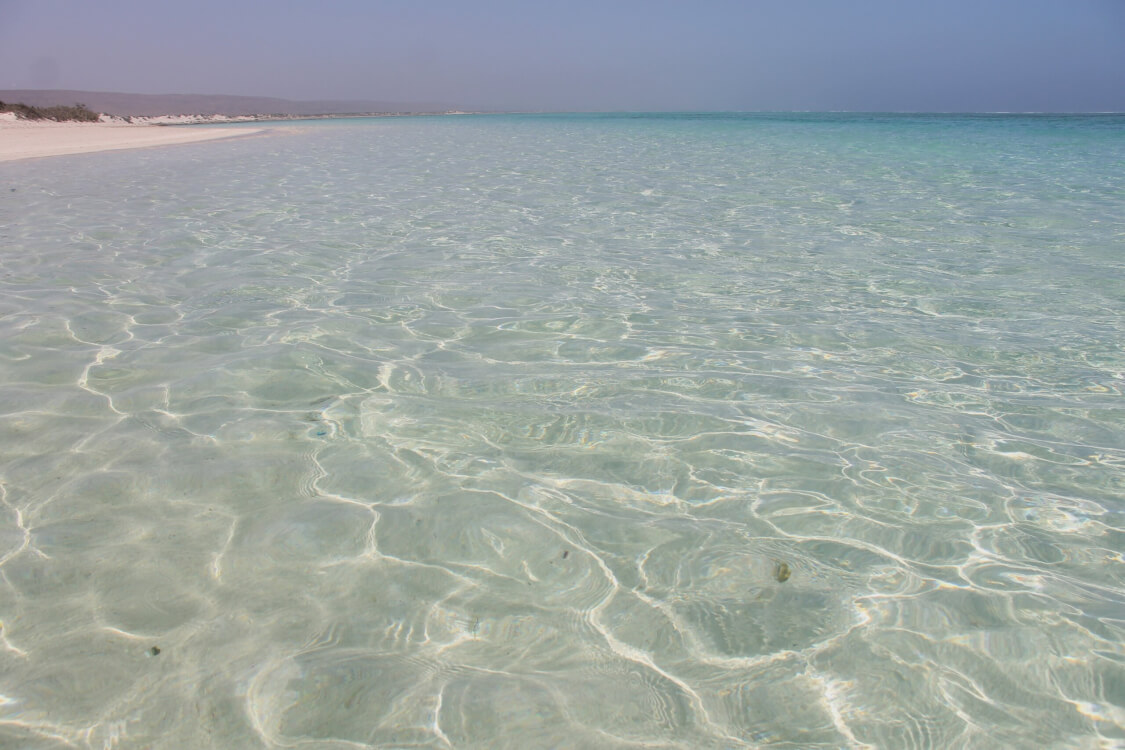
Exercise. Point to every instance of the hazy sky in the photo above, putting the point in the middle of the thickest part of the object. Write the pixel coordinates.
(931, 55)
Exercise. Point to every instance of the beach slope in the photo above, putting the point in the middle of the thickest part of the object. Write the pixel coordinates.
(28, 140)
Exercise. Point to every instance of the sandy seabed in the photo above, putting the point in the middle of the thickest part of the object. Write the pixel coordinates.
(28, 140)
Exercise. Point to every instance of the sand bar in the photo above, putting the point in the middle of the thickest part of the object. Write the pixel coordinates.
(30, 140)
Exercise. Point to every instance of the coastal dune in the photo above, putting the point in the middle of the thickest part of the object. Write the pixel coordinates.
(21, 139)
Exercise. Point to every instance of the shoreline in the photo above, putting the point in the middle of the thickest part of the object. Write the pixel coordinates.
(24, 139)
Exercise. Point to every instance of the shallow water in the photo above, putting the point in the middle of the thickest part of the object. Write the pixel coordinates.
(568, 431)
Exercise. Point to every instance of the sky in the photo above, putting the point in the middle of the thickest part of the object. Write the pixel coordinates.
(575, 55)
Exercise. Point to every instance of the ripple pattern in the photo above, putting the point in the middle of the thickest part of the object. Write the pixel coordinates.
(568, 431)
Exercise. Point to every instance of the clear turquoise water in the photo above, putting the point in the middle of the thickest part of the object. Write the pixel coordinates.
(696, 431)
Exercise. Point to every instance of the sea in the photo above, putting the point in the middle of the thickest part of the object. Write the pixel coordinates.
(568, 431)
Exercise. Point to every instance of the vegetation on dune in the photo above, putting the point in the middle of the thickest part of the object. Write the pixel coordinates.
(58, 113)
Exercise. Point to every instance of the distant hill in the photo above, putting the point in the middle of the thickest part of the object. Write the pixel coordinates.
(151, 105)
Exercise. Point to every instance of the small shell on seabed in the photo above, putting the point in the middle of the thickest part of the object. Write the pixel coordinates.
(781, 571)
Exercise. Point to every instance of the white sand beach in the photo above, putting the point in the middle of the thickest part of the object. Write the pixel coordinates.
(23, 139)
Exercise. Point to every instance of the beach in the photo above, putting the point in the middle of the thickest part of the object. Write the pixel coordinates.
(23, 139)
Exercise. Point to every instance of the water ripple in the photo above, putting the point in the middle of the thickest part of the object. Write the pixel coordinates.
(796, 431)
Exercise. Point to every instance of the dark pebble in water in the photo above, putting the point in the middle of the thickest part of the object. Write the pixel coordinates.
(781, 572)
(566, 553)
(154, 651)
